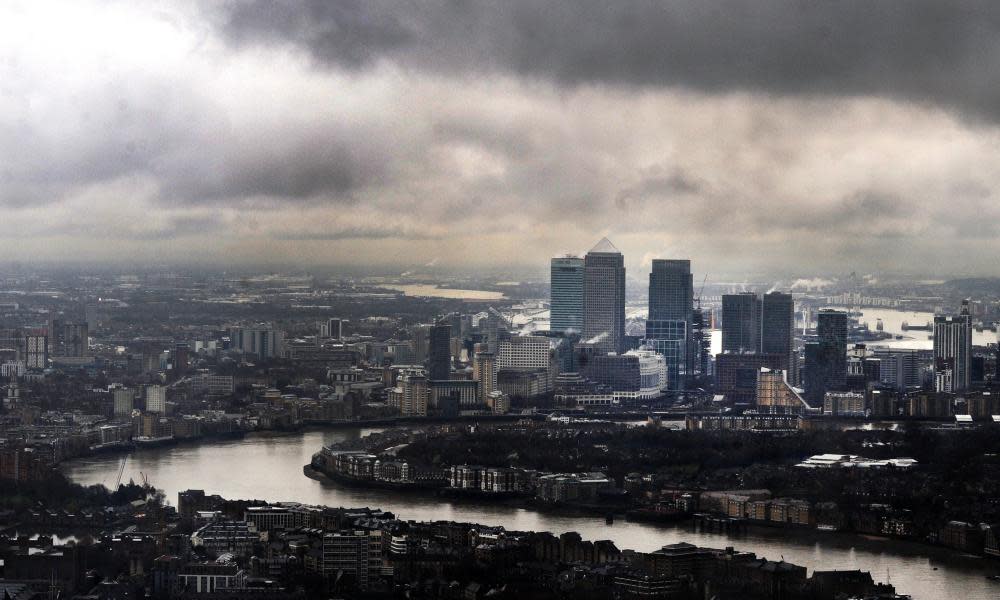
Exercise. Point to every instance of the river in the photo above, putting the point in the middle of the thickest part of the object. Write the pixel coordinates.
(270, 468)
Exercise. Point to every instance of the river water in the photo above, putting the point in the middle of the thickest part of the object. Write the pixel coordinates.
(270, 468)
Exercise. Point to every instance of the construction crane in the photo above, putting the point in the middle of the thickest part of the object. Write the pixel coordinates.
(121, 471)
(701, 290)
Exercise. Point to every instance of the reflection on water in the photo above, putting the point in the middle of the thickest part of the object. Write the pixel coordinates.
(270, 468)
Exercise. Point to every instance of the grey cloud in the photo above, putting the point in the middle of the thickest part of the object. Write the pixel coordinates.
(920, 50)
(354, 233)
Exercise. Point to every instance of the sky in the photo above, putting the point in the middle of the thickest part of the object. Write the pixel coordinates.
(807, 136)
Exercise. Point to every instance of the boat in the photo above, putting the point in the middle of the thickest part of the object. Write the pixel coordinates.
(993, 577)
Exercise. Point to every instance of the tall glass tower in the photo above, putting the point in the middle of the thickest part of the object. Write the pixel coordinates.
(604, 298)
(566, 294)
(668, 328)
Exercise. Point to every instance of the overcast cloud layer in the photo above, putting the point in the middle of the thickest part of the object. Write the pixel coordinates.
(764, 135)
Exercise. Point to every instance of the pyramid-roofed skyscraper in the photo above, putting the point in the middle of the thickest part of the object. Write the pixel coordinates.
(604, 297)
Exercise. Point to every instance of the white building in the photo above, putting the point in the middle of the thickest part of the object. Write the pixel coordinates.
(156, 399)
(524, 352)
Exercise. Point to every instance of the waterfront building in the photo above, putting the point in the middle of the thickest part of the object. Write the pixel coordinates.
(414, 393)
(566, 294)
(123, 401)
(953, 351)
(604, 297)
(156, 399)
(573, 488)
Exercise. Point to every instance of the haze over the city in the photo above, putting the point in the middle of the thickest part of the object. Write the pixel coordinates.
(758, 136)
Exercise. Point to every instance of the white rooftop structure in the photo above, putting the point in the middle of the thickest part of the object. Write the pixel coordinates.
(829, 461)
(963, 418)
(604, 247)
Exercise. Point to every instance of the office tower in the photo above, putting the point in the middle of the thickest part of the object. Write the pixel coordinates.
(778, 331)
(439, 354)
(669, 337)
(671, 306)
(68, 339)
(524, 352)
(671, 292)
(741, 322)
(123, 398)
(953, 351)
(156, 399)
(604, 297)
(826, 359)
(566, 294)
(263, 340)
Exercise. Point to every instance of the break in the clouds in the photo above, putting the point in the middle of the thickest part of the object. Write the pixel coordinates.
(765, 135)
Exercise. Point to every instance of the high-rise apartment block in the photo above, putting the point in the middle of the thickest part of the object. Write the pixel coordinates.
(953, 351)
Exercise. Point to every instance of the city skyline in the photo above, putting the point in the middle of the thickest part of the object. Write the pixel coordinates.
(233, 133)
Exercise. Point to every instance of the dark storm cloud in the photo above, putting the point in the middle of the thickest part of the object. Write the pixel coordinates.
(921, 50)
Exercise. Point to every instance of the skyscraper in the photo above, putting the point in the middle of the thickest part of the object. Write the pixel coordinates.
(953, 351)
(741, 316)
(778, 331)
(566, 294)
(439, 352)
(668, 328)
(826, 358)
(604, 297)
(671, 291)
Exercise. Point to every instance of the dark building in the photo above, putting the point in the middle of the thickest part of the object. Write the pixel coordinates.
(604, 297)
(953, 351)
(826, 358)
(741, 323)
(778, 331)
(671, 305)
(620, 372)
(671, 292)
(736, 374)
(439, 352)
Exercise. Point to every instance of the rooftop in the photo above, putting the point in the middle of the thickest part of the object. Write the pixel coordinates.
(604, 247)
